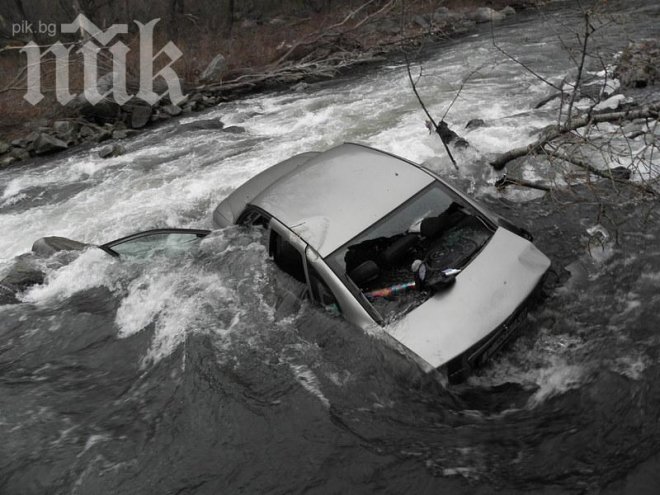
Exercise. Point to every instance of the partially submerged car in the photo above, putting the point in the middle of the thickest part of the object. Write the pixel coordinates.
(385, 241)
(381, 241)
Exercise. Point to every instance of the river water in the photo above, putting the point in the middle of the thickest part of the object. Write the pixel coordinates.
(179, 376)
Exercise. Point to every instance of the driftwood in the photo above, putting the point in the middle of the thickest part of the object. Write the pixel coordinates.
(325, 68)
(507, 181)
(652, 111)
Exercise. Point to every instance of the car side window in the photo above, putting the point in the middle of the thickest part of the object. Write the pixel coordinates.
(321, 292)
(157, 242)
(287, 257)
(253, 216)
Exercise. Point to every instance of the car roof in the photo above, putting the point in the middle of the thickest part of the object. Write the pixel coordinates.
(341, 192)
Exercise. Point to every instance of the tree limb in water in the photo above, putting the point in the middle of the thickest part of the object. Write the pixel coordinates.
(507, 181)
(649, 111)
(431, 119)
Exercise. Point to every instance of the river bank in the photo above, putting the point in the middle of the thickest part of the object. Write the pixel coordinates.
(357, 39)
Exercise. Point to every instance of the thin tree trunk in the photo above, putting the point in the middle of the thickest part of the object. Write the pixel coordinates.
(645, 112)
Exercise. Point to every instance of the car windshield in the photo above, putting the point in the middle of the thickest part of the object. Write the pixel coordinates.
(433, 226)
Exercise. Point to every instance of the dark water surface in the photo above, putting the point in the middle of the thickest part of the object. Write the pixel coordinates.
(179, 376)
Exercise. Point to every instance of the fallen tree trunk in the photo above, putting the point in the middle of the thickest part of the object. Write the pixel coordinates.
(645, 112)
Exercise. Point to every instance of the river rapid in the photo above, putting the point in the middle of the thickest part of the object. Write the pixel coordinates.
(179, 376)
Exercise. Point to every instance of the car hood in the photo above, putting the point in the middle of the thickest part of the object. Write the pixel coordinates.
(486, 293)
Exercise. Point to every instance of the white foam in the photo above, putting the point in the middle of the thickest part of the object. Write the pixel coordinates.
(309, 381)
(555, 379)
(93, 268)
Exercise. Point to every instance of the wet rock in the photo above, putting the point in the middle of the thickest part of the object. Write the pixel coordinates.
(639, 65)
(21, 276)
(25, 142)
(62, 126)
(215, 70)
(139, 115)
(208, 101)
(120, 134)
(201, 125)
(234, 129)
(388, 27)
(4, 147)
(475, 123)
(5, 161)
(443, 15)
(422, 22)
(111, 150)
(187, 108)
(64, 130)
(508, 11)
(86, 132)
(104, 133)
(485, 14)
(105, 111)
(621, 173)
(172, 110)
(46, 143)
(301, 86)
(160, 115)
(19, 154)
(47, 246)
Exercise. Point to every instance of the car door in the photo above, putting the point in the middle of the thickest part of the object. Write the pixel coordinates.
(149, 243)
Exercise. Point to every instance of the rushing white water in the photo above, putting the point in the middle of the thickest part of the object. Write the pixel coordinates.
(175, 179)
(170, 177)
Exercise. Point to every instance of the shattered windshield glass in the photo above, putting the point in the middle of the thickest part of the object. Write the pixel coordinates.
(432, 227)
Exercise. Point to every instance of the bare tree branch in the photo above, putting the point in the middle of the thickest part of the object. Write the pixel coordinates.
(431, 119)
(588, 29)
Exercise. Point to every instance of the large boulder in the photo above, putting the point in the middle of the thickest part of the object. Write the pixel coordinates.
(22, 275)
(201, 125)
(45, 143)
(508, 10)
(104, 112)
(639, 65)
(111, 150)
(5, 161)
(172, 110)
(65, 130)
(47, 246)
(422, 22)
(215, 70)
(139, 114)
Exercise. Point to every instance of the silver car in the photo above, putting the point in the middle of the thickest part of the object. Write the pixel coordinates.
(384, 241)
(377, 239)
